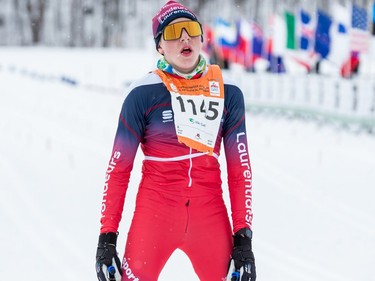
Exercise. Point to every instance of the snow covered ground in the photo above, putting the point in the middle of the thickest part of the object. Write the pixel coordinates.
(313, 184)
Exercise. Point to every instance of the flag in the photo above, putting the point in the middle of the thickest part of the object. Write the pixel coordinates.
(225, 33)
(306, 31)
(339, 33)
(243, 49)
(275, 44)
(208, 39)
(226, 38)
(322, 37)
(257, 41)
(304, 55)
(359, 36)
(256, 48)
(278, 37)
(291, 30)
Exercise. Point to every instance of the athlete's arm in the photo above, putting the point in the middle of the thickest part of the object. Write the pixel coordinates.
(128, 136)
(237, 158)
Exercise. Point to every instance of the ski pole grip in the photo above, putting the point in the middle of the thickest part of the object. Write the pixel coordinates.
(235, 276)
(112, 271)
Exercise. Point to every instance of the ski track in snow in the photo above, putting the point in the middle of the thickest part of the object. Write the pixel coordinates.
(313, 186)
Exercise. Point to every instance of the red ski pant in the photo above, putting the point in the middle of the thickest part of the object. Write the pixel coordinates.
(162, 223)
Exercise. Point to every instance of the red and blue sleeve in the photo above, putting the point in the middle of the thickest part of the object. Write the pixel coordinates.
(238, 159)
(128, 136)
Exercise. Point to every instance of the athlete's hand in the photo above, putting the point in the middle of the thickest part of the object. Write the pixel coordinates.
(108, 265)
(242, 264)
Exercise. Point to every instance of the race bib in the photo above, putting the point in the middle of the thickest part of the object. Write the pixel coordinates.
(198, 106)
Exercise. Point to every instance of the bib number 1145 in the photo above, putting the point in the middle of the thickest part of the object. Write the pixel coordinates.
(210, 112)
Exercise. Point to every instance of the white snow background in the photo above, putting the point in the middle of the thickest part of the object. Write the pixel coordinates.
(314, 211)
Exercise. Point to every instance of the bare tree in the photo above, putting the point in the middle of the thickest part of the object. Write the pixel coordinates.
(76, 23)
(111, 22)
(35, 10)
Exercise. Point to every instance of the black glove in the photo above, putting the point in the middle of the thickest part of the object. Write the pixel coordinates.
(108, 265)
(242, 264)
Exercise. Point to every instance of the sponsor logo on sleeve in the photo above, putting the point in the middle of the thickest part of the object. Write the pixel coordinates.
(167, 116)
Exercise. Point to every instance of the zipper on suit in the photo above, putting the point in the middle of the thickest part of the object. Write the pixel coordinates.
(187, 215)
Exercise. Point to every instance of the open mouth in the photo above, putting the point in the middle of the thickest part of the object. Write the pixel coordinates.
(186, 51)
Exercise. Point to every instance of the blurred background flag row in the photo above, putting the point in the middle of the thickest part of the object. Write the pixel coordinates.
(340, 35)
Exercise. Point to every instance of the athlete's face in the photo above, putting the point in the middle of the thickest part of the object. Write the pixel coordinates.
(182, 53)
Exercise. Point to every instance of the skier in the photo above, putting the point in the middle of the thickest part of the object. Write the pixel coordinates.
(180, 114)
